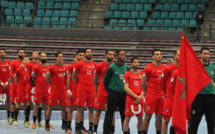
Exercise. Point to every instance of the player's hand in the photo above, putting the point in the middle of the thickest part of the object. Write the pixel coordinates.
(138, 99)
(69, 94)
(213, 84)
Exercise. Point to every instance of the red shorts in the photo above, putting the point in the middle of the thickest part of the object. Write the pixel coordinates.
(20, 96)
(12, 92)
(41, 97)
(167, 109)
(55, 96)
(136, 108)
(28, 93)
(85, 97)
(101, 101)
(5, 91)
(71, 101)
(153, 104)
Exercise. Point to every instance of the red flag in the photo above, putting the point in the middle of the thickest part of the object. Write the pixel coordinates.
(192, 77)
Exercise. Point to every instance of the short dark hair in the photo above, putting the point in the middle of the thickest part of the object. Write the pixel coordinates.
(19, 50)
(204, 48)
(134, 58)
(86, 50)
(56, 55)
(34, 51)
(175, 52)
(25, 56)
(79, 51)
(118, 51)
(107, 50)
(153, 51)
(2, 49)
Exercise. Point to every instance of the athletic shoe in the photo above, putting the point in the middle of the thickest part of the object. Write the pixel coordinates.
(94, 133)
(15, 123)
(40, 124)
(90, 132)
(26, 124)
(34, 125)
(8, 119)
(69, 131)
(11, 121)
(63, 127)
(78, 132)
(83, 129)
(52, 127)
(47, 128)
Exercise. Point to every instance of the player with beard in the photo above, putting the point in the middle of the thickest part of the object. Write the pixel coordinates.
(38, 76)
(13, 66)
(168, 102)
(56, 78)
(134, 98)
(20, 80)
(86, 89)
(28, 95)
(5, 79)
(101, 98)
(154, 94)
(71, 92)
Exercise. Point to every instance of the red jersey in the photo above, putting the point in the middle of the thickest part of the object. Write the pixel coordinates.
(58, 77)
(101, 69)
(85, 70)
(73, 84)
(29, 67)
(40, 74)
(22, 75)
(134, 81)
(166, 76)
(14, 65)
(171, 87)
(4, 71)
(154, 73)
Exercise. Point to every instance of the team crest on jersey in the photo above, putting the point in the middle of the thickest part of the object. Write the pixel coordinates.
(167, 110)
(148, 107)
(144, 74)
(32, 72)
(127, 110)
(35, 98)
(140, 76)
(63, 68)
(212, 72)
(162, 75)
(172, 79)
(7, 64)
(93, 66)
(97, 104)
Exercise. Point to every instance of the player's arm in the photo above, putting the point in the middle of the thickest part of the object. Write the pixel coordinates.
(129, 91)
(32, 78)
(143, 83)
(68, 85)
(95, 80)
(15, 80)
(74, 76)
(164, 77)
(48, 79)
(107, 78)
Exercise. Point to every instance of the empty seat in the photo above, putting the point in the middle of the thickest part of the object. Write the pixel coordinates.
(72, 21)
(168, 22)
(147, 7)
(180, 1)
(41, 4)
(55, 20)
(122, 6)
(37, 20)
(172, 1)
(166, 7)
(175, 7)
(192, 7)
(48, 13)
(135, 1)
(156, 14)
(10, 19)
(57, 12)
(139, 7)
(40, 12)
(188, 1)
(172, 15)
(20, 5)
(75, 6)
(113, 21)
(46, 20)
(163, 28)
(134, 14)
(13, 25)
(8, 11)
(180, 15)
(160, 22)
(58, 5)
(26, 12)
(73, 13)
(143, 15)
(36, 26)
(125, 14)
(164, 1)
(126, 1)
(151, 1)
(11, 4)
(126, 28)
(65, 13)
(27, 19)
(184, 22)
(63, 20)
(172, 28)
(158, 7)
(49, 5)
(114, 6)
(21, 25)
(192, 23)
(118, 1)
(66, 5)
(122, 23)
(4, 3)
(147, 28)
(180, 29)
(109, 14)
(19, 19)
(184, 7)
(164, 15)
(176, 22)
(140, 22)
(117, 14)
(151, 22)
(143, 1)
(188, 15)
(155, 28)
(45, 26)
(204, 1)
(29, 5)
(130, 7)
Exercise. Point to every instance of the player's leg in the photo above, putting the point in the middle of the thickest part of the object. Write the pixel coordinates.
(139, 124)
(146, 122)
(82, 123)
(78, 118)
(27, 111)
(63, 113)
(18, 104)
(121, 104)
(48, 116)
(165, 126)
(8, 107)
(35, 113)
(126, 124)
(69, 118)
(91, 110)
(96, 119)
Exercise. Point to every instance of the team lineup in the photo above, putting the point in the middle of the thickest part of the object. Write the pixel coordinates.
(107, 85)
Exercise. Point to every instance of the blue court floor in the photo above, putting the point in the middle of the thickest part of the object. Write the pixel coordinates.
(56, 121)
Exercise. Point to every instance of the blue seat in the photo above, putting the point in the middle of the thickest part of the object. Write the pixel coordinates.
(172, 15)
(184, 22)
(113, 22)
(164, 15)
(73, 13)
(175, 7)
(18, 12)
(147, 7)
(4, 3)
(55, 20)
(11, 4)
(180, 1)
(142, 15)
(27, 19)
(117, 14)
(180, 15)
(159, 22)
(36, 26)
(8, 11)
(172, 1)
(37, 20)
(64, 12)
(139, 7)
(46, 20)
(40, 12)
(109, 14)
(126, 28)
(151, 1)
(58, 5)
(45, 26)
(131, 22)
(75, 6)
(118, 1)
(20, 5)
(126, 1)
(204, 1)
(10, 19)
(140, 22)
(117, 28)
(180, 29)
(125, 14)
(108, 27)
(41, 4)
(122, 23)
(184, 7)
(19, 19)
(143, 1)
(159, 7)
(13, 25)
(72, 21)
(172, 28)
(49, 5)
(76, 1)
(66, 5)
(168, 22)
(135, 1)
(156, 14)
(63, 20)
(131, 7)
(122, 6)
(147, 28)
(197, 1)
(188, 1)
(188, 15)
(29, 5)
(163, 28)
(26, 12)
(21, 25)
(192, 7)
(164, 1)
(114, 6)
(167, 7)
(176, 22)
(48, 13)
(151, 22)
(155, 28)
(192, 23)
(134, 14)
